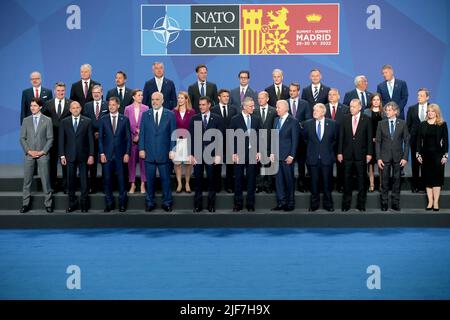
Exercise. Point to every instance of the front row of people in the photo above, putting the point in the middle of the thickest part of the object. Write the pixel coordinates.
(153, 137)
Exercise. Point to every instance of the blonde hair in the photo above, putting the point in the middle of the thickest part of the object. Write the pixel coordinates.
(188, 101)
(435, 107)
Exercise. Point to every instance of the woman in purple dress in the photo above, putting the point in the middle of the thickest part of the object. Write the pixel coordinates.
(183, 114)
(134, 113)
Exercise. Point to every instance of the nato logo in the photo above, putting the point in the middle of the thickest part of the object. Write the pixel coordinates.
(165, 30)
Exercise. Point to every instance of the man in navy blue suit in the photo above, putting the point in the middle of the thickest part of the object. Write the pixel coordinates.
(121, 91)
(204, 123)
(288, 136)
(156, 147)
(159, 83)
(36, 91)
(237, 95)
(114, 144)
(316, 92)
(393, 89)
(277, 91)
(360, 92)
(245, 126)
(320, 134)
(300, 110)
(81, 91)
(95, 110)
(201, 88)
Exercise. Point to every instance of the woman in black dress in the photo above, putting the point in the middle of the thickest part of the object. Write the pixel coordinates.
(375, 112)
(432, 153)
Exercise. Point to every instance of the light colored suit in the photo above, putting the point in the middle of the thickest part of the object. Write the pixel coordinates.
(40, 139)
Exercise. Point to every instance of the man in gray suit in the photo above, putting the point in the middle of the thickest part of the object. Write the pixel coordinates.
(392, 148)
(36, 138)
(238, 94)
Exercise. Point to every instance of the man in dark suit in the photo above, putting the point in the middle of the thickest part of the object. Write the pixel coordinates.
(203, 123)
(156, 147)
(288, 135)
(114, 144)
(355, 150)
(95, 110)
(336, 111)
(81, 91)
(227, 111)
(316, 92)
(320, 135)
(245, 126)
(267, 114)
(202, 88)
(36, 91)
(300, 110)
(237, 95)
(277, 91)
(57, 109)
(159, 83)
(76, 150)
(392, 148)
(393, 89)
(416, 114)
(121, 91)
(360, 92)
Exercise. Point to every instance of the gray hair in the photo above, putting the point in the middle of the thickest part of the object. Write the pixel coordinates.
(97, 86)
(321, 106)
(359, 78)
(356, 101)
(393, 105)
(427, 92)
(157, 63)
(247, 100)
(334, 89)
(36, 72)
(284, 103)
(277, 70)
(86, 66)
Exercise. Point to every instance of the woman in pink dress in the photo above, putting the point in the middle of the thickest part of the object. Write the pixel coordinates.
(183, 114)
(134, 113)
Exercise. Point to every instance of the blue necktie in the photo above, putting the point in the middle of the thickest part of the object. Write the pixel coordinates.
(392, 129)
(319, 131)
(248, 123)
(205, 121)
(278, 127)
(75, 125)
(202, 90)
(363, 99)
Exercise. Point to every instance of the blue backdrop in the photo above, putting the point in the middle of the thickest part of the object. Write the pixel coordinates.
(414, 38)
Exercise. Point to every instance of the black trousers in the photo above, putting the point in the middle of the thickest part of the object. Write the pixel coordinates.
(72, 182)
(93, 168)
(361, 177)
(250, 178)
(415, 167)
(322, 173)
(386, 174)
(211, 184)
(54, 160)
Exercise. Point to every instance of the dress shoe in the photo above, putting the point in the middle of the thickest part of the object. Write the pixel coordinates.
(108, 208)
(211, 209)
(49, 209)
(330, 209)
(414, 190)
(149, 208)
(384, 208)
(24, 209)
(167, 208)
(229, 190)
(288, 208)
(65, 191)
(237, 208)
(92, 191)
(278, 208)
(72, 209)
(188, 189)
(198, 209)
(312, 209)
(395, 208)
(429, 209)
(435, 209)
(84, 209)
(345, 209)
(258, 190)
(362, 209)
(122, 209)
(250, 208)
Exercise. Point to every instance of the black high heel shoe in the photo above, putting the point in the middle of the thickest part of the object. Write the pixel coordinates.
(429, 209)
(435, 209)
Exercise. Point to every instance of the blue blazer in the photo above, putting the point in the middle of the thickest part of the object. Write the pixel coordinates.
(215, 122)
(28, 94)
(325, 147)
(111, 144)
(156, 140)
(399, 95)
(303, 110)
(238, 122)
(167, 89)
(235, 96)
(288, 137)
(89, 111)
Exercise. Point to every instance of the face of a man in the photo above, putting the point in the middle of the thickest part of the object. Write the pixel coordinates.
(248, 107)
(362, 84)
(202, 74)
(113, 106)
(35, 108)
(35, 79)
(120, 80)
(355, 107)
(97, 94)
(422, 97)
(157, 101)
(158, 70)
(333, 97)
(282, 109)
(388, 74)
(390, 112)
(315, 77)
(263, 99)
(277, 77)
(85, 73)
(224, 98)
(318, 113)
(204, 106)
(60, 92)
(243, 79)
(293, 92)
(75, 109)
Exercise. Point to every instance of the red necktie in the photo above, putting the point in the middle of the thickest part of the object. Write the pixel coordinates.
(86, 89)
(36, 95)
(333, 114)
(97, 111)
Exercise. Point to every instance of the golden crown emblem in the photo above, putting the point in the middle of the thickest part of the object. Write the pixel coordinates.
(313, 17)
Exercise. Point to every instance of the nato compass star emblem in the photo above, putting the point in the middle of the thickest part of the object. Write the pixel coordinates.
(166, 30)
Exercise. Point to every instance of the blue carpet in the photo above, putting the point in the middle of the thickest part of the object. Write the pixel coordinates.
(225, 263)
